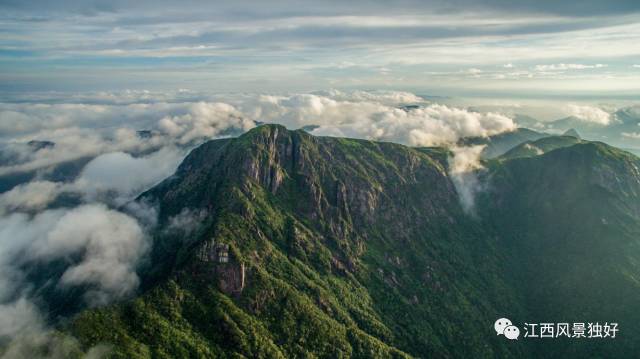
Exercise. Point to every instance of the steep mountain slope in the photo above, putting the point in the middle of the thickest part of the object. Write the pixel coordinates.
(571, 221)
(336, 248)
(281, 244)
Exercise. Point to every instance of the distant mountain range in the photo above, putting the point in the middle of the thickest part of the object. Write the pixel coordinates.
(501, 143)
(623, 129)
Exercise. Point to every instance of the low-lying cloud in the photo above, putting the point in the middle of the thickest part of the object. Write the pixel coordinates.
(589, 114)
(29, 197)
(108, 246)
(113, 178)
(112, 243)
(89, 130)
(123, 176)
(463, 167)
(18, 317)
(427, 124)
(108, 242)
(565, 67)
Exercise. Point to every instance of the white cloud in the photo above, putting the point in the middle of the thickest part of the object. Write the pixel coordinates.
(389, 98)
(114, 178)
(564, 67)
(110, 244)
(185, 222)
(536, 149)
(89, 130)
(204, 120)
(508, 66)
(474, 71)
(632, 135)
(462, 167)
(30, 196)
(17, 232)
(74, 143)
(589, 114)
(19, 317)
(123, 176)
(31, 343)
(430, 124)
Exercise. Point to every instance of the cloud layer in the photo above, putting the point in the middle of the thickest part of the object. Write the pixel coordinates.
(88, 130)
(590, 114)
(109, 244)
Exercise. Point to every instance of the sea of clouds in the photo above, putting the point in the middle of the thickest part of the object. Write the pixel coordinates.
(106, 234)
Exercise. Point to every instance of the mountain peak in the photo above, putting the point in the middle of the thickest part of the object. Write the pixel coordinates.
(266, 131)
(572, 132)
(266, 128)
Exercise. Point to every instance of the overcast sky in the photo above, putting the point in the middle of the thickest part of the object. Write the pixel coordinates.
(497, 48)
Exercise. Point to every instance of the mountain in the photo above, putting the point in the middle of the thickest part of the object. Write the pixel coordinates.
(571, 132)
(499, 144)
(628, 116)
(626, 129)
(308, 246)
(635, 151)
(623, 129)
(573, 122)
(39, 145)
(346, 247)
(541, 146)
(527, 121)
(570, 220)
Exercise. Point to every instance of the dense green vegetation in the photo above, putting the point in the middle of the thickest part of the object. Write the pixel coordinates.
(355, 248)
(570, 222)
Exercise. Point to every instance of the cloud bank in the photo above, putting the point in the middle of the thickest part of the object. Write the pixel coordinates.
(565, 67)
(364, 116)
(590, 114)
(89, 130)
(102, 248)
(109, 244)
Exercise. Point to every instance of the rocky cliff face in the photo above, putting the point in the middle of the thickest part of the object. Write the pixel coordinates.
(329, 247)
(213, 263)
